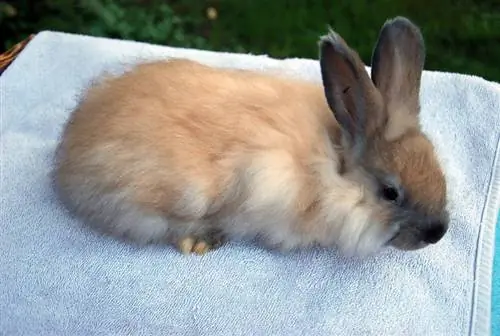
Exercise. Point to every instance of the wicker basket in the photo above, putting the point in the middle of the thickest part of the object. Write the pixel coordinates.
(10, 55)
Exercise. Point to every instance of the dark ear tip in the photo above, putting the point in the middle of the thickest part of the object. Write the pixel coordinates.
(399, 21)
(403, 25)
(331, 40)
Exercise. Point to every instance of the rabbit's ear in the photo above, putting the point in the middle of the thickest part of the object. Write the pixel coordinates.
(350, 93)
(397, 63)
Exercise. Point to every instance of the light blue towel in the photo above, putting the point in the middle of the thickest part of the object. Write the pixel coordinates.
(59, 278)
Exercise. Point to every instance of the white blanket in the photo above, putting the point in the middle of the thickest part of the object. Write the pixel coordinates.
(58, 277)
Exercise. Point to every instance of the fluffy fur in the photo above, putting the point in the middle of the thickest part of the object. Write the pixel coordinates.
(181, 152)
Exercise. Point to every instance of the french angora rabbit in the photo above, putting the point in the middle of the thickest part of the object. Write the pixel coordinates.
(178, 152)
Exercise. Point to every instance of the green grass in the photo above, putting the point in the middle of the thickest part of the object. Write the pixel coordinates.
(461, 36)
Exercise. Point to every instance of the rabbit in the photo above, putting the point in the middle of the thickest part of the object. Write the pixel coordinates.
(194, 156)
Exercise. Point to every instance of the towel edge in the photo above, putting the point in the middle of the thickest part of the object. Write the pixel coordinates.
(481, 305)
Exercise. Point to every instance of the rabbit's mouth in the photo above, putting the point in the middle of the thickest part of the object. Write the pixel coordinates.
(394, 237)
(416, 230)
(405, 242)
(412, 238)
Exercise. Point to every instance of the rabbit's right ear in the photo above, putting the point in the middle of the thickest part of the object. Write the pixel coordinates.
(350, 93)
(397, 64)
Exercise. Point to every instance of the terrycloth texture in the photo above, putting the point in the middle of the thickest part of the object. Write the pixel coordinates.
(495, 300)
(59, 278)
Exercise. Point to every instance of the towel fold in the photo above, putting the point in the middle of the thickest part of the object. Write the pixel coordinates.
(60, 278)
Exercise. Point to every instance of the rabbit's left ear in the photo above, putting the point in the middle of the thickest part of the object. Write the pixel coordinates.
(397, 64)
(350, 93)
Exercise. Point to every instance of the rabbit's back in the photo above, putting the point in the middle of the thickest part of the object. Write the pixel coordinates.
(181, 105)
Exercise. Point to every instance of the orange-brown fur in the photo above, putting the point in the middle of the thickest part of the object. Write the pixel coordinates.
(412, 157)
(206, 124)
(210, 128)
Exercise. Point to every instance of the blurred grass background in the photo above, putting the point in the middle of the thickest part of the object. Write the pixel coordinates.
(461, 35)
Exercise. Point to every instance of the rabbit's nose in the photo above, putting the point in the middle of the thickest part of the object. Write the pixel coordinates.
(434, 232)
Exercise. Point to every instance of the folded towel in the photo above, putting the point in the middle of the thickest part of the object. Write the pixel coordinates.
(60, 278)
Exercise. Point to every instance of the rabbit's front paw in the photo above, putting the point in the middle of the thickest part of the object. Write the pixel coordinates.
(200, 244)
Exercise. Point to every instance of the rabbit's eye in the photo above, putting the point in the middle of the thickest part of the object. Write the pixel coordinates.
(390, 189)
(391, 194)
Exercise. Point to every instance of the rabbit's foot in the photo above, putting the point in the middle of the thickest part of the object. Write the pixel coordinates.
(200, 244)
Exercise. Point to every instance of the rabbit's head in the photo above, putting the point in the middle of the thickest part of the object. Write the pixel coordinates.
(383, 146)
